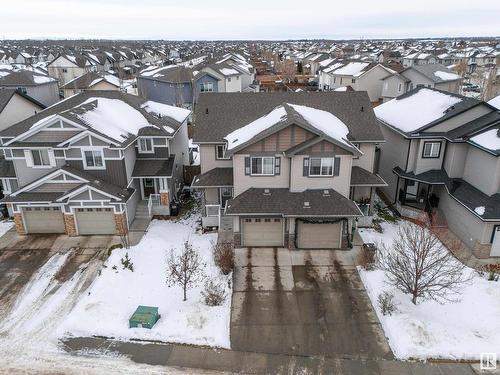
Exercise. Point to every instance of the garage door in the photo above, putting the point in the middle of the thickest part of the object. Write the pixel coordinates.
(95, 221)
(262, 232)
(318, 235)
(43, 220)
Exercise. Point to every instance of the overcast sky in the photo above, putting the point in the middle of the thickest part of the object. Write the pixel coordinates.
(257, 19)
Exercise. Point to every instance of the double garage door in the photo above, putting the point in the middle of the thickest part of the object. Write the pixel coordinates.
(43, 220)
(318, 235)
(262, 231)
(95, 221)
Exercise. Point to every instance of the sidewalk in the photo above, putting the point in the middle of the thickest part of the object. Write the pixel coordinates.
(257, 363)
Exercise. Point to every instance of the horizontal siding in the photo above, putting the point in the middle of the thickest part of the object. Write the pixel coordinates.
(114, 172)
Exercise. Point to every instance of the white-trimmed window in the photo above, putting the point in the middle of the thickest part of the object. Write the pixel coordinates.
(262, 166)
(40, 158)
(146, 145)
(6, 186)
(220, 152)
(432, 150)
(321, 166)
(207, 87)
(93, 159)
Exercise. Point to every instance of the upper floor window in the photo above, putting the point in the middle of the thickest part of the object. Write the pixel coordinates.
(207, 87)
(353, 80)
(22, 90)
(40, 158)
(64, 70)
(262, 166)
(220, 152)
(93, 159)
(229, 79)
(431, 150)
(321, 166)
(146, 145)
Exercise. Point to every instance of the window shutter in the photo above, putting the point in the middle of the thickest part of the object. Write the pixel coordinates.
(277, 166)
(29, 158)
(247, 166)
(52, 158)
(305, 171)
(336, 166)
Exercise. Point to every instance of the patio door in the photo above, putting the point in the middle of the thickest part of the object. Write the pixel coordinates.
(148, 186)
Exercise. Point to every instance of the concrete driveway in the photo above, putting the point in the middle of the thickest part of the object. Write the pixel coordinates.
(303, 303)
(22, 256)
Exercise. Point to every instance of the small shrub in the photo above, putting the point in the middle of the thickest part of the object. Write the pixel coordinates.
(386, 303)
(127, 263)
(367, 259)
(376, 225)
(490, 271)
(384, 213)
(223, 253)
(115, 246)
(214, 293)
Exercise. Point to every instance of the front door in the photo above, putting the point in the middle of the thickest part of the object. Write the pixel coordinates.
(495, 246)
(225, 195)
(149, 187)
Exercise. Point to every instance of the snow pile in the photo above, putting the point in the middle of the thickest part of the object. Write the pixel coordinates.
(489, 139)
(446, 76)
(352, 69)
(114, 118)
(460, 330)
(479, 210)
(415, 111)
(249, 131)
(324, 121)
(177, 113)
(116, 293)
(5, 226)
(495, 102)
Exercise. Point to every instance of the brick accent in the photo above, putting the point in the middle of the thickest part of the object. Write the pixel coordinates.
(69, 225)
(121, 224)
(164, 199)
(18, 220)
(291, 242)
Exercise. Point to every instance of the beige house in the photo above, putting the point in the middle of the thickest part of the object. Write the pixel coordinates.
(287, 169)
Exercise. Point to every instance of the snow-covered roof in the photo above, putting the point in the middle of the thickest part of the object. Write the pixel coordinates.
(446, 76)
(159, 109)
(229, 71)
(489, 140)
(495, 102)
(352, 69)
(411, 112)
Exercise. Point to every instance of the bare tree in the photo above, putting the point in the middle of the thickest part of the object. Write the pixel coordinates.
(287, 70)
(418, 264)
(488, 83)
(185, 269)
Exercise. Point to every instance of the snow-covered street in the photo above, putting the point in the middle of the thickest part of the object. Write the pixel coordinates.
(460, 330)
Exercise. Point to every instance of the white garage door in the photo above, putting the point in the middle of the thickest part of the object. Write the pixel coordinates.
(43, 220)
(95, 221)
(262, 232)
(318, 235)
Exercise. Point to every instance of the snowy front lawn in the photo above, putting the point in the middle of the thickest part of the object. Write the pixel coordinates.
(455, 330)
(117, 292)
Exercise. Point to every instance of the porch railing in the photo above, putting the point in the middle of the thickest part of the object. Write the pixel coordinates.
(154, 200)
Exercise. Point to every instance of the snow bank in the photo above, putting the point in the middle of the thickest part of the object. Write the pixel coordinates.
(460, 330)
(479, 210)
(114, 118)
(177, 113)
(412, 112)
(115, 294)
(489, 139)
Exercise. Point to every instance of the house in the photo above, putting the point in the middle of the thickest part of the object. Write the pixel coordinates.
(442, 157)
(429, 75)
(286, 169)
(418, 58)
(16, 106)
(91, 163)
(170, 85)
(91, 81)
(66, 67)
(40, 87)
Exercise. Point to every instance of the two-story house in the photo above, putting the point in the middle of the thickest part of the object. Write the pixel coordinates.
(442, 157)
(286, 168)
(87, 164)
(40, 87)
(91, 81)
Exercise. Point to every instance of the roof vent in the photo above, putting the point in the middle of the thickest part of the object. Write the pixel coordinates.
(206, 110)
(306, 205)
(267, 192)
(326, 192)
(362, 109)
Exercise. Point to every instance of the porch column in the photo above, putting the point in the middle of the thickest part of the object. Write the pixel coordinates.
(164, 192)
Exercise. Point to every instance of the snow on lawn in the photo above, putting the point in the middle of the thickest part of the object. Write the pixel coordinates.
(455, 330)
(5, 226)
(115, 294)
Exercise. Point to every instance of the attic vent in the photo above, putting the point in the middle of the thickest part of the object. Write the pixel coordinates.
(326, 192)
(362, 109)
(306, 205)
(267, 192)
(450, 109)
(97, 182)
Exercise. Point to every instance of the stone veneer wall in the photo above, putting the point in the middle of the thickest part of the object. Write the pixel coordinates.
(69, 225)
(18, 221)
(121, 224)
(164, 199)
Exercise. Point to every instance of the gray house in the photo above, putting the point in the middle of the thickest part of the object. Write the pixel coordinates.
(43, 89)
(442, 158)
(89, 164)
(286, 169)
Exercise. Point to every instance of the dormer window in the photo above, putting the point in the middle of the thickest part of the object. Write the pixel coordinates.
(220, 152)
(146, 145)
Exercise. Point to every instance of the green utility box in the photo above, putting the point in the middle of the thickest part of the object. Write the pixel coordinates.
(144, 317)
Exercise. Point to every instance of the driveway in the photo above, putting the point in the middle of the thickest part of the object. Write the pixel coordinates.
(303, 303)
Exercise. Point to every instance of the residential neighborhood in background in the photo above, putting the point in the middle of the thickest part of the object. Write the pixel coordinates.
(249, 197)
